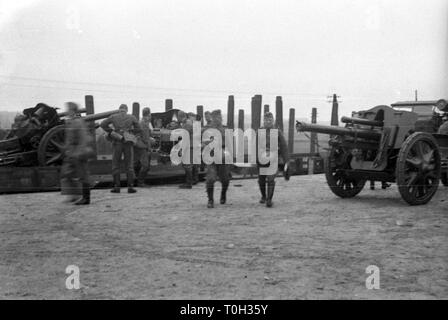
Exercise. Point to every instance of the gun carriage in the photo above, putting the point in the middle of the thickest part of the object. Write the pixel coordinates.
(406, 144)
(37, 137)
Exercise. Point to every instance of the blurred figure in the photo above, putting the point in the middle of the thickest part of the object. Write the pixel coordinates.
(215, 171)
(142, 154)
(77, 152)
(269, 180)
(123, 140)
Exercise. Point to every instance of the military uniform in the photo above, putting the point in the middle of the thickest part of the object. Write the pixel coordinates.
(123, 124)
(444, 128)
(269, 180)
(77, 153)
(142, 155)
(188, 167)
(215, 172)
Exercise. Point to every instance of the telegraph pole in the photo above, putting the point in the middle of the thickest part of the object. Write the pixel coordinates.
(313, 141)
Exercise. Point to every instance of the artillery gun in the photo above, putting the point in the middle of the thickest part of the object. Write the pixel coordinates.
(37, 137)
(405, 143)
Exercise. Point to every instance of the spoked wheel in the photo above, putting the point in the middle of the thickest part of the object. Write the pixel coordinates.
(51, 147)
(338, 181)
(418, 168)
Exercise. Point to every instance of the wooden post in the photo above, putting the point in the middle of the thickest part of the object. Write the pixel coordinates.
(230, 112)
(90, 109)
(291, 128)
(259, 108)
(335, 111)
(136, 110)
(241, 119)
(279, 112)
(266, 109)
(313, 143)
(256, 112)
(168, 104)
(200, 113)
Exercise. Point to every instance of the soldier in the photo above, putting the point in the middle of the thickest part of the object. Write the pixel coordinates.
(208, 118)
(187, 124)
(444, 127)
(142, 155)
(124, 125)
(195, 169)
(217, 171)
(269, 180)
(77, 152)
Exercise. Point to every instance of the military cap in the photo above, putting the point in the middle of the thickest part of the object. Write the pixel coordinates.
(123, 107)
(146, 111)
(216, 113)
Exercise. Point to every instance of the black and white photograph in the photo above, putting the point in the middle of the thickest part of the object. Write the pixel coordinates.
(223, 154)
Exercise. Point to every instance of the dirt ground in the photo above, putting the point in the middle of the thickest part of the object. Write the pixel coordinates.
(163, 243)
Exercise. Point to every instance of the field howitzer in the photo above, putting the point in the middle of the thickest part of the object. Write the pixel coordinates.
(37, 136)
(382, 144)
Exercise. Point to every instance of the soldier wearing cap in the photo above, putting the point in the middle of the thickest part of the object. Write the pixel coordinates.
(216, 171)
(269, 180)
(123, 140)
(142, 154)
(77, 152)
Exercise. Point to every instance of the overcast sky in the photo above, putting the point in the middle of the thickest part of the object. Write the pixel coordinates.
(200, 51)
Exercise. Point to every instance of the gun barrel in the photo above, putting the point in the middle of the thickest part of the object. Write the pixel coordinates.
(99, 116)
(361, 121)
(65, 113)
(338, 131)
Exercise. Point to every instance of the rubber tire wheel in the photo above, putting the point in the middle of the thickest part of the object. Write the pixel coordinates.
(358, 185)
(401, 167)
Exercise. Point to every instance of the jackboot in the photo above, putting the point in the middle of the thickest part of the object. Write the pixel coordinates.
(131, 183)
(271, 188)
(85, 195)
(188, 180)
(223, 193)
(117, 184)
(262, 186)
(210, 197)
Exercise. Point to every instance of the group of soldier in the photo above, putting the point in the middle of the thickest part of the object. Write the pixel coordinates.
(131, 140)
